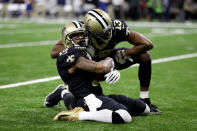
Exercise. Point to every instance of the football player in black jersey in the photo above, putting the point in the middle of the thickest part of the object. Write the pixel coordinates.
(105, 33)
(76, 68)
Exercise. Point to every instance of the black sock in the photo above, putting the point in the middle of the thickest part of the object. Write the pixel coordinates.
(144, 73)
(68, 101)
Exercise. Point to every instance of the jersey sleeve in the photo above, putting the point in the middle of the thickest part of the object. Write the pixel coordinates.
(121, 29)
(68, 57)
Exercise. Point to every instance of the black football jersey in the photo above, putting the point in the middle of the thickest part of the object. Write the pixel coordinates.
(80, 83)
(120, 32)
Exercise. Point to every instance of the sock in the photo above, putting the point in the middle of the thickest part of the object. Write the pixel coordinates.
(64, 92)
(144, 73)
(101, 116)
(147, 110)
(121, 116)
(69, 100)
(144, 94)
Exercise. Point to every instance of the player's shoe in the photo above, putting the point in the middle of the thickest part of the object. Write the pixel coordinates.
(70, 115)
(54, 97)
(153, 108)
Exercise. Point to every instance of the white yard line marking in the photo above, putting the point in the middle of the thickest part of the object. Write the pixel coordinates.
(30, 82)
(132, 23)
(52, 42)
(158, 32)
(25, 31)
(167, 59)
(187, 25)
(162, 31)
(9, 26)
(173, 58)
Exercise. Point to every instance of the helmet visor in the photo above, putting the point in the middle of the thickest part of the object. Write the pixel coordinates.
(78, 39)
(77, 36)
(106, 36)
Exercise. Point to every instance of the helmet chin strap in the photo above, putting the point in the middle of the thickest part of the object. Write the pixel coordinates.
(78, 45)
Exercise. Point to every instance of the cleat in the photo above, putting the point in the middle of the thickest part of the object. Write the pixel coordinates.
(153, 108)
(70, 115)
(54, 97)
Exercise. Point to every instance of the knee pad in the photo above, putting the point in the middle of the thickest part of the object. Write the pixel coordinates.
(121, 116)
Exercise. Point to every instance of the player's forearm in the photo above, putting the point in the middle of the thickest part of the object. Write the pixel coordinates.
(140, 42)
(135, 50)
(103, 66)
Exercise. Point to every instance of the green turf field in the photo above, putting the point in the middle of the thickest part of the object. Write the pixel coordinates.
(173, 86)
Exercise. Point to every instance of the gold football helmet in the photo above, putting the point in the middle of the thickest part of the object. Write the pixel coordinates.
(98, 25)
(73, 35)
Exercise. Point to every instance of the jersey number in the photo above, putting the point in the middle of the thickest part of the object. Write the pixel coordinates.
(118, 24)
(70, 58)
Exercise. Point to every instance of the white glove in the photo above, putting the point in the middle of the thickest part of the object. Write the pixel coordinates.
(121, 58)
(112, 77)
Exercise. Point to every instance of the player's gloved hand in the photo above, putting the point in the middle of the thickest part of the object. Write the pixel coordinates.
(112, 77)
(121, 57)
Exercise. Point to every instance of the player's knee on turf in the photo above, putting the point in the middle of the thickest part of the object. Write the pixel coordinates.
(121, 116)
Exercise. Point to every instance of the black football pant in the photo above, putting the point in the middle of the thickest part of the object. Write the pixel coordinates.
(135, 107)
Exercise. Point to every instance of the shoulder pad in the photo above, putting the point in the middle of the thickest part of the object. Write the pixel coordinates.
(119, 24)
(70, 55)
(121, 28)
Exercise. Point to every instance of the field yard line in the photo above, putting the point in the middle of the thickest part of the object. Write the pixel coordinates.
(167, 59)
(139, 24)
(187, 25)
(173, 58)
(25, 31)
(52, 42)
(30, 82)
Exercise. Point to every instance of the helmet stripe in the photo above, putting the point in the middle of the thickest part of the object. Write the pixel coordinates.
(99, 19)
(100, 16)
(77, 24)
